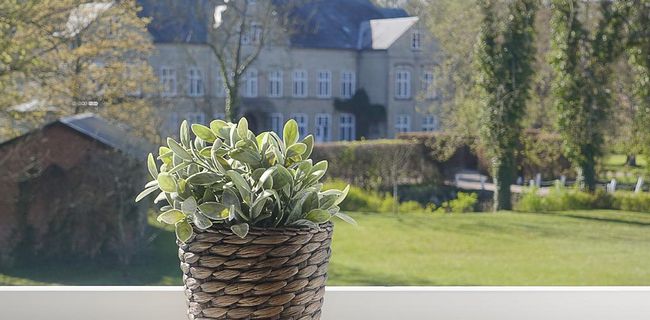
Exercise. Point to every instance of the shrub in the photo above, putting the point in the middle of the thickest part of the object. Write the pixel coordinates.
(562, 199)
(541, 152)
(229, 176)
(362, 200)
(377, 164)
(464, 202)
(630, 201)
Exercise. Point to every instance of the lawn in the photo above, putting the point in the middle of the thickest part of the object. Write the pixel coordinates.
(569, 248)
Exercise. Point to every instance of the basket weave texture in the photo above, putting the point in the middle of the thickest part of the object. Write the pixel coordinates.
(270, 274)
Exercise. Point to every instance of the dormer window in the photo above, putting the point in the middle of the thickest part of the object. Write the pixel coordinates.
(415, 39)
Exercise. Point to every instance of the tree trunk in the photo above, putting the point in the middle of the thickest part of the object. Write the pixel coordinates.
(588, 172)
(630, 160)
(503, 173)
(232, 103)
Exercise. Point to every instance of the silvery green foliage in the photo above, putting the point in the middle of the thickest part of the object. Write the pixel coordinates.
(228, 175)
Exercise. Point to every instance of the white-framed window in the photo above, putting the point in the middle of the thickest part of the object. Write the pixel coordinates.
(277, 123)
(219, 116)
(275, 84)
(195, 117)
(347, 126)
(299, 83)
(348, 84)
(403, 123)
(430, 123)
(250, 83)
(220, 86)
(302, 121)
(322, 127)
(195, 82)
(415, 39)
(428, 84)
(253, 34)
(324, 84)
(402, 84)
(168, 81)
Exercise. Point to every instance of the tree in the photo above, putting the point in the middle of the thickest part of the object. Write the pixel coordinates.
(638, 52)
(100, 66)
(505, 54)
(582, 65)
(26, 29)
(241, 30)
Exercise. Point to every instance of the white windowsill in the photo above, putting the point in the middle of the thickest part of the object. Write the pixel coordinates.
(343, 303)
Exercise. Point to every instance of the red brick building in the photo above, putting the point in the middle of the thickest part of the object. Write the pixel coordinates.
(67, 190)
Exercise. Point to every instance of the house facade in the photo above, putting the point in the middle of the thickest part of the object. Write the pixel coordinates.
(349, 46)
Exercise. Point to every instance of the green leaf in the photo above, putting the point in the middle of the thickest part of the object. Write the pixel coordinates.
(203, 178)
(297, 149)
(230, 199)
(214, 210)
(306, 223)
(200, 221)
(240, 230)
(346, 218)
(246, 156)
(290, 132)
(161, 196)
(342, 196)
(242, 128)
(281, 177)
(166, 182)
(241, 184)
(309, 142)
(266, 180)
(185, 134)
(171, 216)
(203, 132)
(189, 206)
(178, 149)
(327, 200)
(311, 202)
(151, 165)
(216, 126)
(318, 216)
(179, 167)
(145, 193)
(183, 231)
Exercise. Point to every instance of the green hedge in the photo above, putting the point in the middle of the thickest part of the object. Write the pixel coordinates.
(375, 164)
(361, 200)
(562, 199)
(539, 152)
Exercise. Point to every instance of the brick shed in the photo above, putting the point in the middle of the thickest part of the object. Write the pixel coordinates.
(67, 190)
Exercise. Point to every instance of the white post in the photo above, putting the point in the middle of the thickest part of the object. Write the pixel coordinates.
(538, 180)
(456, 178)
(611, 186)
(482, 182)
(639, 185)
(563, 180)
(531, 183)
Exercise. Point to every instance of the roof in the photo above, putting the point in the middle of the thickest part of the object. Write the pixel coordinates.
(96, 128)
(332, 24)
(178, 21)
(380, 34)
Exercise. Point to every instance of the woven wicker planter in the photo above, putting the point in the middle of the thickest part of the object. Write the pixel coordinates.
(270, 274)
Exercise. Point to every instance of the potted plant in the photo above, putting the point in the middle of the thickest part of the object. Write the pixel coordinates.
(252, 223)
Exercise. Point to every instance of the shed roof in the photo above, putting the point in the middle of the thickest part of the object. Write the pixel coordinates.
(96, 128)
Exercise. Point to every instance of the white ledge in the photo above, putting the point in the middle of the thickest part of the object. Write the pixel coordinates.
(343, 303)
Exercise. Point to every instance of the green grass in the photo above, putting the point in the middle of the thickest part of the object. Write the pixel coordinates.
(568, 248)
(571, 248)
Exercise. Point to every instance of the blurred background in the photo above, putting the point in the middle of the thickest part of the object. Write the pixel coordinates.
(487, 142)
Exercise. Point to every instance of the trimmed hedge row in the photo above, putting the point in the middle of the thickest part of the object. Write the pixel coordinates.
(377, 164)
(539, 152)
(563, 199)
